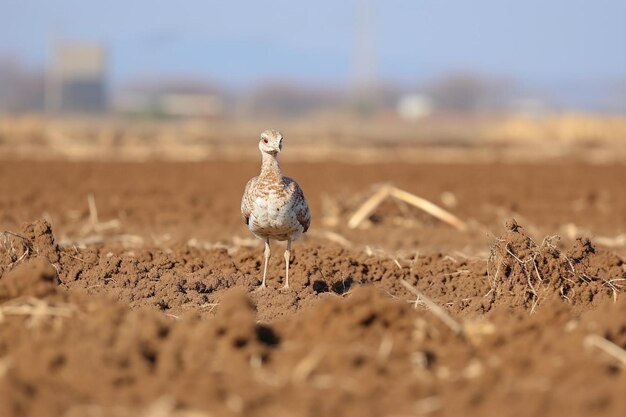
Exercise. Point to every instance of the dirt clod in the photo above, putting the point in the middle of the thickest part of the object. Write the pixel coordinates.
(523, 272)
(32, 278)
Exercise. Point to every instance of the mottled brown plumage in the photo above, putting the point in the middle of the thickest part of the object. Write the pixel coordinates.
(273, 206)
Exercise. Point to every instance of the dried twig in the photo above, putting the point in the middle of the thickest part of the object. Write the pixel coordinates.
(611, 242)
(607, 346)
(429, 207)
(126, 240)
(5, 365)
(93, 210)
(385, 191)
(368, 207)
(306, 366)
(438, 311)
(35, 308)
(332, 236)
(10, 248)
(94, 222)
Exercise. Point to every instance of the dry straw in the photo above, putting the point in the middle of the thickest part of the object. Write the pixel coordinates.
(369, 206)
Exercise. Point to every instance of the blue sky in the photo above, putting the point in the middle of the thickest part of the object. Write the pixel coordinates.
(242, 42)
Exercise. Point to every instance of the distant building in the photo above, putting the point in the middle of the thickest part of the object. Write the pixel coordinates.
(163, 97)
(76, 80)
(414, 106)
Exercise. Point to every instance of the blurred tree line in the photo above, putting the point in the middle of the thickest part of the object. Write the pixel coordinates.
(22, 89)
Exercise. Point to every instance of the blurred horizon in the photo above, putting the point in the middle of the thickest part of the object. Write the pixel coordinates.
(461, 56)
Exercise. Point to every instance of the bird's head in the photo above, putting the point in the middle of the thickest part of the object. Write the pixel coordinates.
(271, 142)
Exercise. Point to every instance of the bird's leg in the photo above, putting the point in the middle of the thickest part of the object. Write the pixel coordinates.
(266, 256)
(287, 257)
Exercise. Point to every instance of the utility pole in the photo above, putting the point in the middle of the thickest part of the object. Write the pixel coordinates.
(365, 56)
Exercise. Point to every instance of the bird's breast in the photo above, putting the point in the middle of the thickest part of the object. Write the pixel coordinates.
(272, 215)
(271, 206)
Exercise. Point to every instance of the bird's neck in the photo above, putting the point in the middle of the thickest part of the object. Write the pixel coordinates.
(270, 165)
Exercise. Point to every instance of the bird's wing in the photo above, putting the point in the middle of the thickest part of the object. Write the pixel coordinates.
(300, 206)
(246, 201)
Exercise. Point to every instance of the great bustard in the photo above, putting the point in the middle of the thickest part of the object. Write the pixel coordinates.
(273, 206)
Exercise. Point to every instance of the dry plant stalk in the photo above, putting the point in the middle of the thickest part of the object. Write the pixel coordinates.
(375, 200)
(368, 207)
(237, 243)
(306, 366)
(35, 309)
(429, 207)
(93, 210)
(5, 365)
(612, 242)
(438, 311)
(608, 347)
(609, 283)
(127, 241)
(161, 407)
(7, 241)
(332, 236)
(95, 224)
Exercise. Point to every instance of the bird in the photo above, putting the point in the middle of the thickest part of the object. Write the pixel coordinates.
(273, 206)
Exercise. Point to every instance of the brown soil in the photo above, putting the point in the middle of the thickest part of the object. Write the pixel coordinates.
(152, 309)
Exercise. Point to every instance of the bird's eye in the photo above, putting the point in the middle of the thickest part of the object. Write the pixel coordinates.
(264, 140)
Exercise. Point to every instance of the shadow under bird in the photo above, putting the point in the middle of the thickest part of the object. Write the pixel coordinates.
(273, 206)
